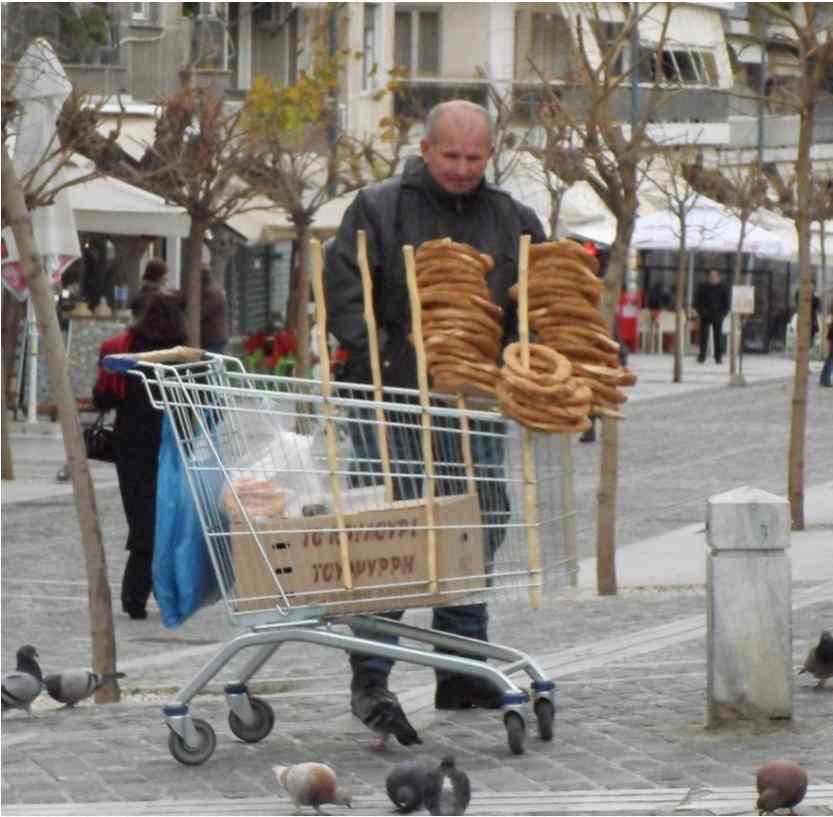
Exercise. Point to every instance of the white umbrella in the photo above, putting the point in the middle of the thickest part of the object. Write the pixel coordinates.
(709, 228)
(40, 88)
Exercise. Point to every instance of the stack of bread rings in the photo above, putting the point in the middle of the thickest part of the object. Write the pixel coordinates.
(461, 325)
(544, 395)
(564, 293)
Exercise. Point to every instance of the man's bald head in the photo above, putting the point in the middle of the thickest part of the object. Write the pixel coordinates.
(463, 114)
(457, 145)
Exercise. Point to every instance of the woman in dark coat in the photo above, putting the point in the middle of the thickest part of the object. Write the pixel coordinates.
(137, 433)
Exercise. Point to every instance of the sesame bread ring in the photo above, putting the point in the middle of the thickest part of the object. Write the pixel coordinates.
(546, 366)
(447, 296)
(440, 318)
(487, 347)
(452, 254)
(453, 376)
(457, 287)
(627, 379)
(561, 249)
(578, 353)
(605, 393)
(443, 246)
(561, 287)
(542, 415)
(567, 311)
(585, 334)
(565, 266)
(441, 273)
(574, 250)
(604, 374)
(455, 349)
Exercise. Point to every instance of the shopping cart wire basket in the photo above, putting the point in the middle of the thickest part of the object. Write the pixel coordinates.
(323, 510)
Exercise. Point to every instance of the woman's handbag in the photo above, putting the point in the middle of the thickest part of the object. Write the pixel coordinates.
(98, 440)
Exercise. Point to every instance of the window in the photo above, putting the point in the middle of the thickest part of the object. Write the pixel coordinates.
(544, 42)
(682, 66)
(417, 42)
(609, 38)
(140, 12)
(209, 35)
(370, 49)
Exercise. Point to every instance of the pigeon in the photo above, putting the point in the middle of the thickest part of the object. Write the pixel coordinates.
(819, 660)
(781, 784)
(310, 784)
(24, 684)
(447, 789)
(405, 784)
(379, 710)
(73, 686)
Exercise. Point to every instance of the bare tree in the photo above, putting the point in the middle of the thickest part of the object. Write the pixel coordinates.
(42, 183)
(742, 189)
(812, 39)
(680, 197)
(612, 169)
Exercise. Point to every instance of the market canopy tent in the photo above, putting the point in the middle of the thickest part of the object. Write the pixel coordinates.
(709, 227)
(107, 205)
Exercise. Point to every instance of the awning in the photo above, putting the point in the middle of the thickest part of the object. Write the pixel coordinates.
(107, 205)
(136, 135)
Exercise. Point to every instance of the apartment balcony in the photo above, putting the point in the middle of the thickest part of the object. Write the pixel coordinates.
(420, 95)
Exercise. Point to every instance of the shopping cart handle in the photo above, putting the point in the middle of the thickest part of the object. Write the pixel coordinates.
(127, 361)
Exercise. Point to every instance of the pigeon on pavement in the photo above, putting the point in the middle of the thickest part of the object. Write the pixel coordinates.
(447, 789)
(781, 784)
(23, 685)
(819, 662)
(311, 784)
(74, 685)
(405, 784)
(379, 710)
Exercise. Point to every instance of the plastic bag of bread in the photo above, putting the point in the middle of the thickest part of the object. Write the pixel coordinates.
(262, 500)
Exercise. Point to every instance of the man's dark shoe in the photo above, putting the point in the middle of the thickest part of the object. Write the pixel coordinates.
(701, 360)
(467, 692)
(588, 436)
(137, 612)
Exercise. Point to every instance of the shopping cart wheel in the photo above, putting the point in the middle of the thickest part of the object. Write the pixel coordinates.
(194, 757)
(264, 721)
(545, 712)
(515, 732)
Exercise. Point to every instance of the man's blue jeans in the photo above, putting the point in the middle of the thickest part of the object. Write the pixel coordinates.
(407, 465)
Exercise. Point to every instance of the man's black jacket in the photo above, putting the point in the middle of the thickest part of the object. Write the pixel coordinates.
(410, 209)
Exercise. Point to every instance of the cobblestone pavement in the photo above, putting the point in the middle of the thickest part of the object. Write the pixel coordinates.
(629, 734)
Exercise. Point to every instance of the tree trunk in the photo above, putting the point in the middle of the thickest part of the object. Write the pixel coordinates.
(609, 464)
(193, 281)
(297, 315)
(7, 470)
(798, 418)
(679, 306)
(101, 611)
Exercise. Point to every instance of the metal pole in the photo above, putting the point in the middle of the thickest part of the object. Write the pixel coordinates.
(634, 68)
(332, 129)
(762, 93)
(32, 397)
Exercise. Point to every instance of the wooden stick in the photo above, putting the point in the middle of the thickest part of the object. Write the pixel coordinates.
(375, 368)
(465, 432)
(424, 401)
(530, 488)
(326, 392)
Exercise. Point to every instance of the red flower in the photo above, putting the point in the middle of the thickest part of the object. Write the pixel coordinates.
(284, 342)
(255, 342)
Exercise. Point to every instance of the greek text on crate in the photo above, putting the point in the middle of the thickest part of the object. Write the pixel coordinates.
(329, 571)
(393, 529)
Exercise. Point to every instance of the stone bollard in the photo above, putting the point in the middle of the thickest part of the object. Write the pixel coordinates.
(749, 610)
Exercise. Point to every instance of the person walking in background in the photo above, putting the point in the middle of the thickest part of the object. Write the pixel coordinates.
(154, 279)
(826, 378)
(214, 330)
(441, 193)
(137, 436)
(712, 302)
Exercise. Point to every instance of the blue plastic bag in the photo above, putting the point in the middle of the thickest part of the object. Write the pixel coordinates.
(183, 576)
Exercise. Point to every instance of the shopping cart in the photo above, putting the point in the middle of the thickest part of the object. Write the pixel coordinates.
(324, 508)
